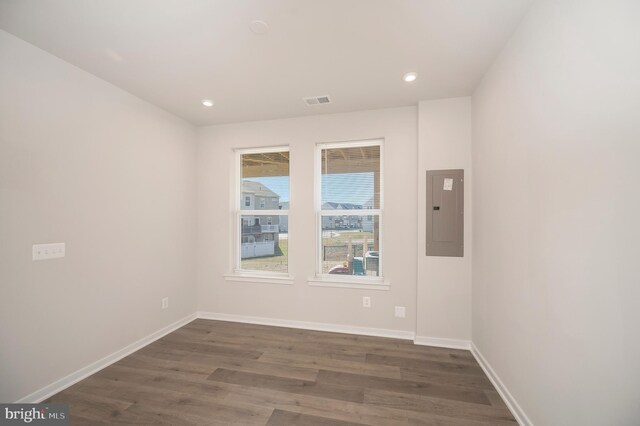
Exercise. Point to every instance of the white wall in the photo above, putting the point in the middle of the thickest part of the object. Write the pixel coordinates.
(86, 163)
(301, 302)
(556, 287)
(444, 283)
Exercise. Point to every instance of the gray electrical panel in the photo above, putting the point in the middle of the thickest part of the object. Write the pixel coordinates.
(445, 213)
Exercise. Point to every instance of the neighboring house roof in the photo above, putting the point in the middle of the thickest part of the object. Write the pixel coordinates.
(369, 203)
(257, 189)
(340, 206)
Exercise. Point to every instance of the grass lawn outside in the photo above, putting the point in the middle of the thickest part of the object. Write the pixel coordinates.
(276, 263)
(339, 238)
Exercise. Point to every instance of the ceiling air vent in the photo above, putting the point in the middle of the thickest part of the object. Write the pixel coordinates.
(317, 100)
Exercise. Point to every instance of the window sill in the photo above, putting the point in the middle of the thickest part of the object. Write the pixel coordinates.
(359, 283)
(267, 279)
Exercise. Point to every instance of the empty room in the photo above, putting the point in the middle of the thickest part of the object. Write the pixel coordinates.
(329, 212)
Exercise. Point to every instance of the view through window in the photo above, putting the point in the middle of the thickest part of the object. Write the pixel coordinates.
(350, 215)
(263, 211)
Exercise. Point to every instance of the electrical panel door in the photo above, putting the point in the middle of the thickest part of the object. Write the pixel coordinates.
(445, 213)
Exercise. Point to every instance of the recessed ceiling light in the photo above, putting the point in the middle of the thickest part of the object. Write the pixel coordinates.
(410, 77)
(258, 27)
(207, 102)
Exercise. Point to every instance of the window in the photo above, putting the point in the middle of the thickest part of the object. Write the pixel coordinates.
(263, 176)
(349, 209)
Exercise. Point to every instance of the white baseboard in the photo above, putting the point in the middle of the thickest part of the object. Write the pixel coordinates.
(65, 382)
(317, 326)
(442, 343)
(513, 405)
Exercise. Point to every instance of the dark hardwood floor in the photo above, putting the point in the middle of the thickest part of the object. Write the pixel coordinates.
(224, 373)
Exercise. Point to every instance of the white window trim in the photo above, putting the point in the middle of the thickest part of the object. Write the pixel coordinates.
(342, 281)
(346, 281)
(237, 273)
(262, 278)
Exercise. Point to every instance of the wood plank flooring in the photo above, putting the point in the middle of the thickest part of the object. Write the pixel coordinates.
(224, 373)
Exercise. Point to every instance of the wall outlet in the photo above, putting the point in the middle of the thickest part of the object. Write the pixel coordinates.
(366, 302)
(165, 302)
(401, 311)
(48, 251)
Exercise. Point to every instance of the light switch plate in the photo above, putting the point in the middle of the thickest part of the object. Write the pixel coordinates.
(401, 311)
(48, 251)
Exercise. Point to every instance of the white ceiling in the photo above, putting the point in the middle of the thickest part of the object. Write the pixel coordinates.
(173, 53)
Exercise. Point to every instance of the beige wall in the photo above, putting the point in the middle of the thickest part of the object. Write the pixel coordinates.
(88, 164)
(444, 283)
(556, 289)
(442, 308)
(301, 302)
